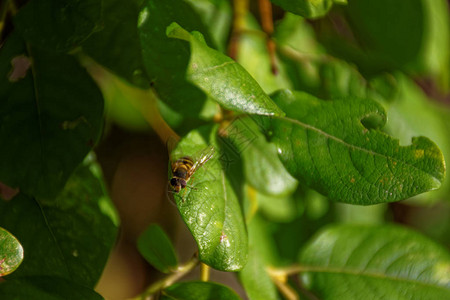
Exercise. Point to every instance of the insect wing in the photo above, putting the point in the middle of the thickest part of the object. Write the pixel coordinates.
(206, 155)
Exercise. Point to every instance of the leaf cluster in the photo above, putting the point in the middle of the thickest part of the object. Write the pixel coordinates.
(311, 123)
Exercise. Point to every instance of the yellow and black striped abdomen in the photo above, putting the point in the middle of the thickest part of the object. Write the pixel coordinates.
(181, 167)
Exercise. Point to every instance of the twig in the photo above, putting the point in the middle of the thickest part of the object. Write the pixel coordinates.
(204, 272)
(145, 101)
(265, 11)
(170, 279)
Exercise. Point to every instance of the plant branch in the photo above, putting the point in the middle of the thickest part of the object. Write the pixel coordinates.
(181, 271)
(265, 11)
(205, 270)
(145, 101)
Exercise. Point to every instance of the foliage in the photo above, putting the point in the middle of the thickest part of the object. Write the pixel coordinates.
(299, 126)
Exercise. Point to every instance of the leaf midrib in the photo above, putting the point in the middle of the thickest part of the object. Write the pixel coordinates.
(329, 136)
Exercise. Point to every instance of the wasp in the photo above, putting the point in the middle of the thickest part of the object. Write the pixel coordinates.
(184, 167)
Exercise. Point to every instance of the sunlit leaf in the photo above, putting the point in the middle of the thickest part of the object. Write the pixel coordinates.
(165, 59)
(11, 253)
(209, 204)
(222, 78)
(375, 262)
(325, 145)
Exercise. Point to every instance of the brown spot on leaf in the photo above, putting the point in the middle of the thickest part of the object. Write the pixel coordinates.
(7, 192)
(20, 65)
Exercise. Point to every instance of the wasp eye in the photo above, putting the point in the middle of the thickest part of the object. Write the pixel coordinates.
(173, 182)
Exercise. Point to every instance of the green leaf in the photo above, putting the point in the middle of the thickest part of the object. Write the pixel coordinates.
(262, 167)
(70, 237)
(11, 253)
(253, 55)
(219, 16)
(52, 105)
(375, 262)
(165, 59)
(58, 25)
(222, 78)
(45, 287)
(306, 8)
(254, 277)
(209, 205)
(325, 145)
(412, 36)
(155, 246)
(197, 290)
(117, 46)
(408, 105)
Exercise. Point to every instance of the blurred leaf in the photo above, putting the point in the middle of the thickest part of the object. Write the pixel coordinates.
(71, 237)
(390, 30)
(209, 205)
(252, 54)
(435, 55)
(373, 214)
(165, 59)
(325, 145)
(116, 46)
(413, 36)
(45, 287)
(222, 78)
(58, 25)
(343, 261)
(275, 208)
(254, 277)
(219, 16)
(306, 8)
(262, 167)
(197, 290)
(155, 246)
(59, 116)
(11, 253)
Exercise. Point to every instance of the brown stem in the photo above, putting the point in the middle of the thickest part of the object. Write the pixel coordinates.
(145, 101)
(265, 11)
(170, 279)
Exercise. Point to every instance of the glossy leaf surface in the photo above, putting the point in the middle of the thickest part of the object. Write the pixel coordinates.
(165, 59)
(197, 290)
(209, 204)
(156, 247)
(48, 120)
(375, 262)
(222, 78)
(45, 287)
(71, 237)
(58, 25)
(326, 145)
(306, 8)
(11, 253)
